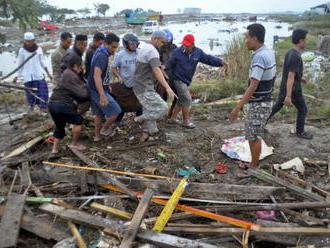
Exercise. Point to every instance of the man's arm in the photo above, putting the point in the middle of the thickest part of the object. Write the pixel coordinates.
(99, 86)
(245, 99)
(289, 86)
(115, 72)
(160, 78)
(210, 60)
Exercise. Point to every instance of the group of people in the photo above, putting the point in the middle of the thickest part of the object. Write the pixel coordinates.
(143, 77)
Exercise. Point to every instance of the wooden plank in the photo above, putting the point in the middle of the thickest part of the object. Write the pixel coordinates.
(170, 241)
(11, 220)
(109, 177)
(76, 234)
(264, 176)
(177, 216)
(138, 216)
(112, 211)
(42, 227)
(81, 217)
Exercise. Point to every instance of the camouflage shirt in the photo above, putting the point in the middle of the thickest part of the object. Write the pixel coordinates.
(56, 58)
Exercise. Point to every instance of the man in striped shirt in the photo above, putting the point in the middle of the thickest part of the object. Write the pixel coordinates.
(259, 92)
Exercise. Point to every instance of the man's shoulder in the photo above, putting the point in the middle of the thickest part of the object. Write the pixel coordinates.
(293, 53)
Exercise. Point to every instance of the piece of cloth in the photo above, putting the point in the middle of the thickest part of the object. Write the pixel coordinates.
(257, 114)
(88, 59)
(56, 59)
(125, 98)
(32, 48)
(154, 108)
(70, 90)
(34, 69)
(263, 69)
(299, 102)
(182, 91)
(100, 60)
(62, 114)
(42, 93)
(182, 66)
(125, 61)
(292, 63)
(147, 59)
(112, 109)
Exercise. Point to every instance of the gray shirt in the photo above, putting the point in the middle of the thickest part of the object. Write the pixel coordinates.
(147, 59)
(125, 61)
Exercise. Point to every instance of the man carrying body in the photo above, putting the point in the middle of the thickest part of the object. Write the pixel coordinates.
(259, 92)
(98, 40)
(57, 55)
(291, 90)
(147, 70)
(181, 67)
(102, 102)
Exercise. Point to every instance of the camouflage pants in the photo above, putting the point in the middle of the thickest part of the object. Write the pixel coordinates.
(154, 108)
(257, 114)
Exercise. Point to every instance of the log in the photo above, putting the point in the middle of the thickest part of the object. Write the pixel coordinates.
(12, 119)
(264, 176)
(11, 220)
(138, 216)
(109, 177)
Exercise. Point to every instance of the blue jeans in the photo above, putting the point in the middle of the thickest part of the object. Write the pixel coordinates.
(112, 109)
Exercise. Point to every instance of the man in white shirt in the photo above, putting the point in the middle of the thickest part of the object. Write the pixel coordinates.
(33, 73)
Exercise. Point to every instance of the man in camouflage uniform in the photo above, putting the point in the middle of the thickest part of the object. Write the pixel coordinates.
(147, 70)
(57, 55)
(259, 92)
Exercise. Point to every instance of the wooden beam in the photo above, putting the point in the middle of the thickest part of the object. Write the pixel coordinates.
(112, 211)
(11, 220)
(264, 176)
(109, 177)
(170, 241)
(138, 216)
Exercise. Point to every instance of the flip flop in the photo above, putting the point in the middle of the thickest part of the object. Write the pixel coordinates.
(243, 174)
(79, 147)
(244, 165)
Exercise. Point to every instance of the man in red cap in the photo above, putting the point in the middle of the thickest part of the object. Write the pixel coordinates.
(181, 68)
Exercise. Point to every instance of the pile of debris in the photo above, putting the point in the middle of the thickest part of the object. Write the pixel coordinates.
(91, 200)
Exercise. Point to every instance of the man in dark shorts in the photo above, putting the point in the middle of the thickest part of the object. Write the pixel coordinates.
(259, 92)
(291, 90)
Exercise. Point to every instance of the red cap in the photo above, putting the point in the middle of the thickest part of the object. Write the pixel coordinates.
(188, 40)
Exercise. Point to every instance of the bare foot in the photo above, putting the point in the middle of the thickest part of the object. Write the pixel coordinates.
(79, 147)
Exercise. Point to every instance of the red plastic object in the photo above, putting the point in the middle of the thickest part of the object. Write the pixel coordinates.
(46, 26)
(221, 169)
(50, 139)
(266, 215)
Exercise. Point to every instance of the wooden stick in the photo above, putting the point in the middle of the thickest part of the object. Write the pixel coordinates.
(137, 219)
(113, 211)
(80, 241)
(77, 167)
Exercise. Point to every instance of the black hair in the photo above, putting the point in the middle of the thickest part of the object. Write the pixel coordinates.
(99, 36)
(257, 30)
(74, 60)
(81, 37)
(111, 38)
(66, 35)
(298, 34)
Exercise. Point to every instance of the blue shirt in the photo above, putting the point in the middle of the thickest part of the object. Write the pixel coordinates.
(182, 66)
(100, 60)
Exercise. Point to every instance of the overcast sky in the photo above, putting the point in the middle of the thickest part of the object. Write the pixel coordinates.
(219, 6)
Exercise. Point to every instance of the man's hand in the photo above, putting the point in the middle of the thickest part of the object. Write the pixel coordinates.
(171, 93)
(104, 100)
(233, 116)
(288, 101)
(304, 81)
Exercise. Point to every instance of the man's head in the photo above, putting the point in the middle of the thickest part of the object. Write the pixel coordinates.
(29, 39)
(255, 36)
(158, 38)
(80, 42)
(188, 42)
(98, 39)
(299, 38)
(169, 36)
(66, 40)
(75, 64)
(111, 42)
(131, 42)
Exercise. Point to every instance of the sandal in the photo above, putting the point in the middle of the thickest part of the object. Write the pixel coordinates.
(173, 121)
(244, 165)
(106, 132)
(79, 147)
(190, 125)
(243, 174)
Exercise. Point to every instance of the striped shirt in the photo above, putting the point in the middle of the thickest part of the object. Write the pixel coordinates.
(263, 69)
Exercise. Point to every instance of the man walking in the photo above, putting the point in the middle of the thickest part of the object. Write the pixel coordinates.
(291, 90)
(32, 73)
(98, 40)
(181, 68)
(102, 102)
(57, 55)
(147, 70)
(259, 92)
